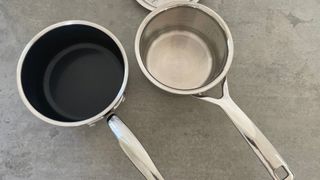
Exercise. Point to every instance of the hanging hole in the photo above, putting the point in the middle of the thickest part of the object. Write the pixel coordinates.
(281, 173)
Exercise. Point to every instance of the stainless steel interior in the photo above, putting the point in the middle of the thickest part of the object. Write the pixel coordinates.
(183, 48)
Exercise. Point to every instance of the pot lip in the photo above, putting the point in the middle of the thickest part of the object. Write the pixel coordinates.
(206, 10)
(152, 7)
(98, 116)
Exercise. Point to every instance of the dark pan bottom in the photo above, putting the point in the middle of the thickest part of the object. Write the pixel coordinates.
(82, 80)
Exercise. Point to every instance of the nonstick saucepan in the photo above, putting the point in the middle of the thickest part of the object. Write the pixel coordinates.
(75, 73)
(186, 48)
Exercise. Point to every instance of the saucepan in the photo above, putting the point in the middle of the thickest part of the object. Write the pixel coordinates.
(186, 48)
(75, 73)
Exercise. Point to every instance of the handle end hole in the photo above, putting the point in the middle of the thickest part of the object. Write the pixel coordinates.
(281, 173)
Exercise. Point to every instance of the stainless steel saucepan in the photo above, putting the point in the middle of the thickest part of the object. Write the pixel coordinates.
(75, 73)
(186, 48)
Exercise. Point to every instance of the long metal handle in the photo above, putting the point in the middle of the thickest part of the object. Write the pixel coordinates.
(268, 155)
(133, 149)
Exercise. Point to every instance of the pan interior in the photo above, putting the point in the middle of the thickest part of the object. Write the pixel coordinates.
(183, 48)
(180, 59)
(72, 73)
(82, 80)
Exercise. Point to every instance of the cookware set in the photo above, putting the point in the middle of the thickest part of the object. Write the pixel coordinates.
(75, 73)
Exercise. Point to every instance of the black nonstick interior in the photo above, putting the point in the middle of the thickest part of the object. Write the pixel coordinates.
(72, 73)
(82, 80)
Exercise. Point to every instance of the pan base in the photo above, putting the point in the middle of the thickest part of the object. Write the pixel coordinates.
(82, 80)
(179, 59)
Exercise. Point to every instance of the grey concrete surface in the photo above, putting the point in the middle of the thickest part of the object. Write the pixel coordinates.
(275, 78)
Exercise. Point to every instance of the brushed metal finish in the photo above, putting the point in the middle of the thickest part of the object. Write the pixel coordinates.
(159, 30)
(152, 4)
(183, 56)
(133, 149)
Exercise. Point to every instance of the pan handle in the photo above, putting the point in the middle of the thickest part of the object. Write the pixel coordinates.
(133, 148)
(265, 151)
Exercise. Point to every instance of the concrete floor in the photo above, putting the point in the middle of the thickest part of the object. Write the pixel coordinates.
(275, 78)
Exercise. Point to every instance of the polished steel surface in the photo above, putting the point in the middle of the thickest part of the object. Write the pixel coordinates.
(269, 156)
(152, 4)
(133, 149)
(180, 59)
(184, 41)
(162, 54)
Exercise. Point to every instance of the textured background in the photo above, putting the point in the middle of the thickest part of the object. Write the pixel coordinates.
(275, 78)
